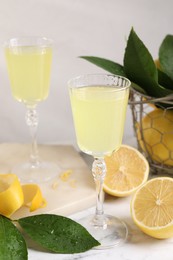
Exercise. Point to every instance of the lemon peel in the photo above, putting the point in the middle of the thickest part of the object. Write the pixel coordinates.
(33, 197)
(11, 194)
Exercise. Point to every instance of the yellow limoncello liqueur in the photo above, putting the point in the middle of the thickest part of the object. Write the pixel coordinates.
(29, 72)
(99, 115)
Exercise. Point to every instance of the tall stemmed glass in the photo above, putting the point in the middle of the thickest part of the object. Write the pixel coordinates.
(99, 105)
(29, 66)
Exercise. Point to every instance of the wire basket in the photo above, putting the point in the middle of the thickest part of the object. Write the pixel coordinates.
(153, 127)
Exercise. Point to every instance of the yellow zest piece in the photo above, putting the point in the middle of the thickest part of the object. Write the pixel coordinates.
(33, 197)
(127, 170)
(152, 207)
(11, 195)
(65, 175)
(72, 183)
(55, 185)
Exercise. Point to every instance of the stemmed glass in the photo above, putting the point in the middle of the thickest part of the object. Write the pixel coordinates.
(99, 105)
(29, 67)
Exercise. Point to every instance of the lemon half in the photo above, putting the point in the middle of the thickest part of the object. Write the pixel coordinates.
(127, 169)
(152, 207)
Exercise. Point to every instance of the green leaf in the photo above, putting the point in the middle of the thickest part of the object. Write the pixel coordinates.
(166, 55)
(57, 233)
(138, 88)
(108, 65)
(12, 244)
(165, 80)
(140, 67)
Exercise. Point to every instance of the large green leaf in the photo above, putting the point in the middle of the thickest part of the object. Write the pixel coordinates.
(138, 88)
(57, 233)
(166, 55)
(140, 67)
(105, 64)
(165, 80)
(12, 244)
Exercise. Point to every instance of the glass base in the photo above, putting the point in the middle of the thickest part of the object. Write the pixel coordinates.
(41, 172)
(110, 232)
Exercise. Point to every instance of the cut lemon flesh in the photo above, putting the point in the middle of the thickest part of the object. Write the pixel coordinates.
(152, 207)
(127, 170)
(11, 195)
(33, 197)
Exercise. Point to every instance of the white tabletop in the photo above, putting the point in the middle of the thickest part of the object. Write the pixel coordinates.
(138, 245)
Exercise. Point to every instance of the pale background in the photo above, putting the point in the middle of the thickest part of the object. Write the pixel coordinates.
(78, 27)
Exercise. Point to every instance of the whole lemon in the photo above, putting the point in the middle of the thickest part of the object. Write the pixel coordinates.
(155, 135)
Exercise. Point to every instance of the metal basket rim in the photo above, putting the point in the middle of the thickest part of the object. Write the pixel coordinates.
(148, 99)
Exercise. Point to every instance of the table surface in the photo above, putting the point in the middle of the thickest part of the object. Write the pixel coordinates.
(137, 247)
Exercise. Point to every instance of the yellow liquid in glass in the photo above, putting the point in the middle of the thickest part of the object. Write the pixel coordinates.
(99, 116)
(29, 72)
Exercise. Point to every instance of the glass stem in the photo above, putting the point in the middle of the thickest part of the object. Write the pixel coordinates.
(99, 172)
(32, 122)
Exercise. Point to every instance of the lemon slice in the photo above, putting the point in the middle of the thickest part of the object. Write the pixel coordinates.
(127, 170)
(33, 197)
(152, 207)
(11, 194)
